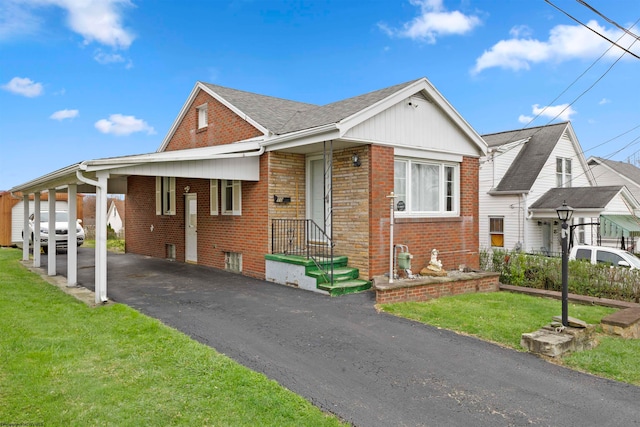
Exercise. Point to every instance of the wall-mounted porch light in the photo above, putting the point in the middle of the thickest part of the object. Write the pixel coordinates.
(355, 159)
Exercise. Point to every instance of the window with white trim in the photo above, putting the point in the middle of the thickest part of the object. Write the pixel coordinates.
(426, 188)
(213, 197)
(563, 172)
(165, 195)
(231, 197)
(203, 119)
(496, 232)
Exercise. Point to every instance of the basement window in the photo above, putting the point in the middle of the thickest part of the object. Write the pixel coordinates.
(233, 262)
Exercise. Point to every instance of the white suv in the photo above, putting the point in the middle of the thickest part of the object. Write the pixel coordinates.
(602, 255)
(62, 230)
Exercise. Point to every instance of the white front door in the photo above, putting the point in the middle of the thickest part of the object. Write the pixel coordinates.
(191, 228)
(317, 209)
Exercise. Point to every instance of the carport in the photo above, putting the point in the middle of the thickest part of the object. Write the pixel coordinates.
(238, 161)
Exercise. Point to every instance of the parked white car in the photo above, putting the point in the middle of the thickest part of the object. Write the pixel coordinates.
(603, 255)
(62, 230)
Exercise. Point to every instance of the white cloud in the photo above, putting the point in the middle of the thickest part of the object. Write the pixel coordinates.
(64, 114)
(107, 58)
(562, 112)
(24, 86)
(520, 31)
(525, 119)
(94, 20)
(434, 21)
(604, 101)
(16, 20)
(117, 124)
(565, 42)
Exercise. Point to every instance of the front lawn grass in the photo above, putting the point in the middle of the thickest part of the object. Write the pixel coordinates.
(502, 317)
(64, 363)
(113, 245)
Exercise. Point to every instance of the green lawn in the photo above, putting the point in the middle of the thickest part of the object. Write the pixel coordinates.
(113, 245)
(502, 317)
(64, 363)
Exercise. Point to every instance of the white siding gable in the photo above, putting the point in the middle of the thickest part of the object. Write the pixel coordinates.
(494, 166)
(605, 176)
(414, 123)
(547, 177)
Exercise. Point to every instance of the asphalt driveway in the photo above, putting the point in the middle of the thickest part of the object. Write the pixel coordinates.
(368, 368)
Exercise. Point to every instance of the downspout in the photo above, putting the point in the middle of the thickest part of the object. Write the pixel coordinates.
(101, 242)
(525, 224)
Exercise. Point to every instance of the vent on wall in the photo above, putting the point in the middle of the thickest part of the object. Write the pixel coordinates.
(233, 262)
(171, 251)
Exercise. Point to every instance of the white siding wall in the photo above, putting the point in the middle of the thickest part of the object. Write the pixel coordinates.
(420, 125)
(491, 172)
(500, 206)
(114, 220)
(16, 216)
(605, 176)
(511, 207)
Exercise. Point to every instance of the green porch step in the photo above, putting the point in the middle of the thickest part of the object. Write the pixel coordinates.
(345, 279)
(343, 287)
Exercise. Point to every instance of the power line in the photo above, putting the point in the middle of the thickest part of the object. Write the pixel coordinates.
(572, 83)
(611, 21)
(594, 31)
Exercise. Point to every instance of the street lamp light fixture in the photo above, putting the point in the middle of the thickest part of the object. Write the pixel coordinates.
(564, 214)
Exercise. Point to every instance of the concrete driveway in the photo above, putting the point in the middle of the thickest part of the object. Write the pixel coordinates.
(368, 368)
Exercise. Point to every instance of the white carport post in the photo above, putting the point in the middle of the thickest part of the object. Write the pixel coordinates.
(101, 237)
(72, 237)
(52, 244)
(36, 229)
(25, 228)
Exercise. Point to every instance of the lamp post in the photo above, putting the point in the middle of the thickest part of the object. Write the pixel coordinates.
(564, 214)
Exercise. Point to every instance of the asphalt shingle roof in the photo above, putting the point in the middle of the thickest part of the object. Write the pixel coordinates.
(623, 168)
(578, 197)
(527, 165)
(282, 116)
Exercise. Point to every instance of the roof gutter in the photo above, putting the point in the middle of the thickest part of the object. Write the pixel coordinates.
(301, 134)
(507, 193)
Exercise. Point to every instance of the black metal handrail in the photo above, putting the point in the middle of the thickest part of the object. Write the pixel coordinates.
(303, 237)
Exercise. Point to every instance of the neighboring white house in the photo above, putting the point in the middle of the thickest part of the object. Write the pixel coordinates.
(526, 174)
(115, 216)
(623, 229)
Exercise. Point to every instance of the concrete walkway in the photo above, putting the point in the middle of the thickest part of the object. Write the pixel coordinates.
(368, 368)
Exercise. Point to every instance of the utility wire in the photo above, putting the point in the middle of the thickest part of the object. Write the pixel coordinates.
(568, 87)
(594, 31)
(611, 21)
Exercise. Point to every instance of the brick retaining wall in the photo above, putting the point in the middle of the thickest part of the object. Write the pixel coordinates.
(424, 289)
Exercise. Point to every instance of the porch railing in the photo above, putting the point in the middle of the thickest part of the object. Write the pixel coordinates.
(303, 237)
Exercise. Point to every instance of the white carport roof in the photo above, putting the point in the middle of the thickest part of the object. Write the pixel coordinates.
(230, 161)
(237, 161)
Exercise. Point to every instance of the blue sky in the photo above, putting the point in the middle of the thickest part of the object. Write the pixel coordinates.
(86, 79)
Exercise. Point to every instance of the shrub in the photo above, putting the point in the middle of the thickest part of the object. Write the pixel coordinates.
(541, 272)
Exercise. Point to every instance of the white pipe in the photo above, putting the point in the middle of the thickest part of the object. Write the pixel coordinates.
(25, 228)
(36, 229)
(391, 246)
(101, 234)
(72, 240)
(52, 245)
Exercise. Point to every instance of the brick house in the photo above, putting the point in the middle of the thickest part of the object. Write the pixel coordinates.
(242, 177)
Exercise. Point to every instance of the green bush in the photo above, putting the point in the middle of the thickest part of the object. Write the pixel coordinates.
(542, 272)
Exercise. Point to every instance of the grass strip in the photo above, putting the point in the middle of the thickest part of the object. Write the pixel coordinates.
(64, 363)
(502, 318)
